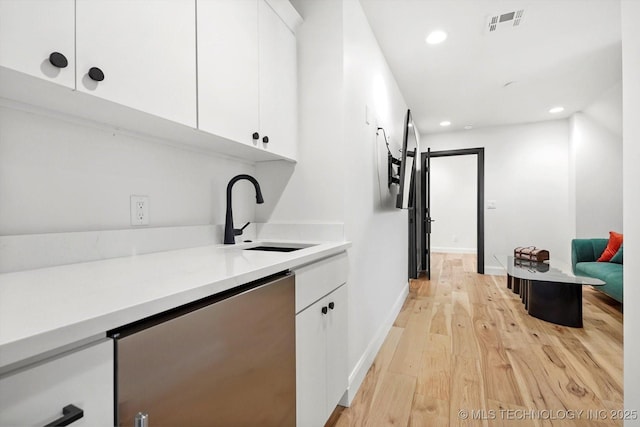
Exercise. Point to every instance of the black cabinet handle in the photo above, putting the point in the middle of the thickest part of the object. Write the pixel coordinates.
(324, 310)
(58, 60)
(331, 305)
(96, 74)
(256, 135)
(265, 139)
(70, 413)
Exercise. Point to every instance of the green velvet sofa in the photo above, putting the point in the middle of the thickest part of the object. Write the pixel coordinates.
(584, 253)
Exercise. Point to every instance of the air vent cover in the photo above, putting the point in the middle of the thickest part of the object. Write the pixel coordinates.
(504, 21)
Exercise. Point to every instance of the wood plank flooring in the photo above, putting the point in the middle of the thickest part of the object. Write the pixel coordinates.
(463, 352)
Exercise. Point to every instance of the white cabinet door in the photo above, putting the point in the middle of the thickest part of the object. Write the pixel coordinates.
(146, 51)
(311, 405)
(278, 83)
(337, 365)
(321, 358)
(228, 69)
(36, 396)
(247, 74)
(321, 339)
(31, 30)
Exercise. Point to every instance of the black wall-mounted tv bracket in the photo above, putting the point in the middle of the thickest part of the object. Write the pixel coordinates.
(393, 177)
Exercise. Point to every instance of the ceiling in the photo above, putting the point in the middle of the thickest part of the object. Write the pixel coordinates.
(564, 52)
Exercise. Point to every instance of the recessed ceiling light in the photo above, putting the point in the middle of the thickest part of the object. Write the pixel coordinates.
(436, 37)
(556, 110)
(445, 123)
(467, 127)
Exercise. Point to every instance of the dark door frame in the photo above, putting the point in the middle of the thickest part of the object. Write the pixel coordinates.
(480, 199)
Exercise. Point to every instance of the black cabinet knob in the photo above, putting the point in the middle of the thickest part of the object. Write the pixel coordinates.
(58, 60)
(256, 135)
(331, 305)
(324, 310)
(265, 139)
(96, 74)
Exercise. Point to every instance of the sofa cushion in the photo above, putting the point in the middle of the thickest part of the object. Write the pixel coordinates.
(617, 258)
(600, 270)
(611, 274)
(615, 240)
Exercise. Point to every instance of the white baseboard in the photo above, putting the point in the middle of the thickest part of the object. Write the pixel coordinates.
(441, 249)
(366, 360)
(494, 271)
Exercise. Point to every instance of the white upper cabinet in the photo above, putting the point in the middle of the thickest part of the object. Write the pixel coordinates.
(216, 74)
(32, 30)
(228, 68)
(247, 86)
(144, 52)
(278, 83)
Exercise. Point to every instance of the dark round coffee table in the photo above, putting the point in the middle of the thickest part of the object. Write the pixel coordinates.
(546, 291)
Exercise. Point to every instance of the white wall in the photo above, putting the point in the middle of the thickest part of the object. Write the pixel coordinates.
(453, 204)
(312, 190)
(63, 176)
(596, 147)
(631, 205)
(341, 72)
(526, 170)
(378, 259)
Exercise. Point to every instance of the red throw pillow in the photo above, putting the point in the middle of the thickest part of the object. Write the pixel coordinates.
(615, 240)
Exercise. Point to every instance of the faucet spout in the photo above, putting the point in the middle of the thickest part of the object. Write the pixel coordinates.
(229, 231)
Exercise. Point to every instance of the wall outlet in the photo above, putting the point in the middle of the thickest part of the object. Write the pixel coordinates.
(139, 210)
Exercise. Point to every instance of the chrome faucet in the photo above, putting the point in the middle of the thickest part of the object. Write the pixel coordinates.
(229, 231)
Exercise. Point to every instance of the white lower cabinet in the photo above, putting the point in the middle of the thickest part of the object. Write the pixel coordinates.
(336, 350)
(36, 396)
(321, 342)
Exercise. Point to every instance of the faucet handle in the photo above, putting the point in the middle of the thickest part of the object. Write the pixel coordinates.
(238, 232)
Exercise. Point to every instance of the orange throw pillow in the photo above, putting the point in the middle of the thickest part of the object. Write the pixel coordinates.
(615, 240)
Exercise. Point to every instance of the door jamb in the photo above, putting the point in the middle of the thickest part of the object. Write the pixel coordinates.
(479, 152)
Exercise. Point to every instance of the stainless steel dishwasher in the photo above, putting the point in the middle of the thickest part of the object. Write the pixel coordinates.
(228, 360)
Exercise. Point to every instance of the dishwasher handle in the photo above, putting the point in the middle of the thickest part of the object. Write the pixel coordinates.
(70, 413)
(141, 420)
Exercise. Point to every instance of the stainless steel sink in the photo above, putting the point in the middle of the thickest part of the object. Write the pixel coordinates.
(272, 249)
(278, 247)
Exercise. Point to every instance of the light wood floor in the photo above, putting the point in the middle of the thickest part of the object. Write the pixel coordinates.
(463, 342)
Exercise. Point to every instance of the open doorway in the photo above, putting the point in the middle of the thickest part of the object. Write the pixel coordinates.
(425, 195)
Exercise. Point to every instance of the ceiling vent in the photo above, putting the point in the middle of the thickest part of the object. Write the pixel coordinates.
(504, 21)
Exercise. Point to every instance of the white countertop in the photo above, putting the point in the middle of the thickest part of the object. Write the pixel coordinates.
(46, 309)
